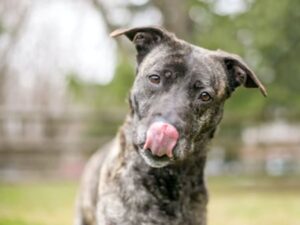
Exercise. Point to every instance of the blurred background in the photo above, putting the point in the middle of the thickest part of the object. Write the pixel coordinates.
(63, 93)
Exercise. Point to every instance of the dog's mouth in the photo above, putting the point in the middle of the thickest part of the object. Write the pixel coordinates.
(148, 153)
(153, 160)
(158, 149)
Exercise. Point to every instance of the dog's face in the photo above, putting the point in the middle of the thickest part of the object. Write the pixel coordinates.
(178, 95)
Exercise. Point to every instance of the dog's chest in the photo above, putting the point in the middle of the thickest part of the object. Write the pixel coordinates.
(151, 197)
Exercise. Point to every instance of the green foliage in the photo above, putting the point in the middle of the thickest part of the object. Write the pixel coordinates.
(112, 95)
(109, 101)
(268, 33)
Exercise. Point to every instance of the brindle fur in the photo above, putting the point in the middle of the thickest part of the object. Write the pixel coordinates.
(123, 186)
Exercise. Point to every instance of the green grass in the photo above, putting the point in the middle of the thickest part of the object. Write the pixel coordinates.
(37, 204)
(233, 201)
(254, 201)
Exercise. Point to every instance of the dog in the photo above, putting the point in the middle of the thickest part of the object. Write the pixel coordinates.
(152, 173)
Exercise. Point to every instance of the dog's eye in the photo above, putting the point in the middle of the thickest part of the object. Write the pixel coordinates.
(154, 78)
(205, 96)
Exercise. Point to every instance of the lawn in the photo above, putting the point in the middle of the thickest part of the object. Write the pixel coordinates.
(233, 201)
(37, 204)
(254, 201)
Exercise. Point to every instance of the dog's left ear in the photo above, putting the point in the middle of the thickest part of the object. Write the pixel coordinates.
(144, 38)
(238, 72)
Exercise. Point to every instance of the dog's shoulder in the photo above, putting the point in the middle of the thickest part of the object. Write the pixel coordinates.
(96, 173)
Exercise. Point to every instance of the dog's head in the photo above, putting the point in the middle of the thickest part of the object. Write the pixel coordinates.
(178, 95)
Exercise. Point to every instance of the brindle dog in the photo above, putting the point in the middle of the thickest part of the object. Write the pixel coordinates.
(152, 173)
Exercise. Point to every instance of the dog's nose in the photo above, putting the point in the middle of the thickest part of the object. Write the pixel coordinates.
(161, 139)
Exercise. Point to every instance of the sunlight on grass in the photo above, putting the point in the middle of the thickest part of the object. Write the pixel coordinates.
(37, 204)
(254, 201)
(248, 208)
(233, 201)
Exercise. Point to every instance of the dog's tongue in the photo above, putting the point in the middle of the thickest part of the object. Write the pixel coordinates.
(161, 139)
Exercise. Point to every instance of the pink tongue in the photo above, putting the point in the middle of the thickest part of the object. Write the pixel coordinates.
(161, 139)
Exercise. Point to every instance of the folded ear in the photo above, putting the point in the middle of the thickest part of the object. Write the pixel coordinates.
(144, 38)
(238, 72)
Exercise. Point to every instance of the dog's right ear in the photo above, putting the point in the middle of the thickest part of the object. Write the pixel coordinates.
(144, 38)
